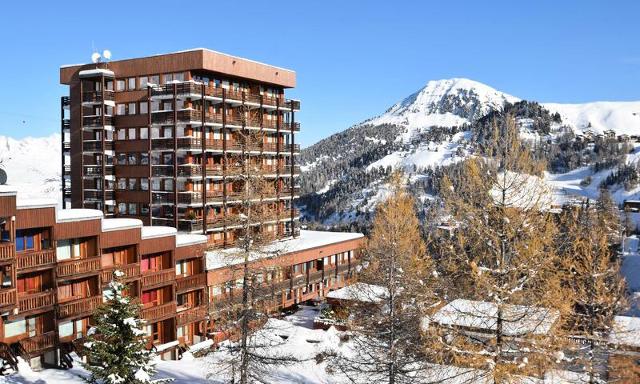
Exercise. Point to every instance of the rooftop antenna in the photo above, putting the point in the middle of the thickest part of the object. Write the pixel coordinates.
(95, 57)
(106, 54)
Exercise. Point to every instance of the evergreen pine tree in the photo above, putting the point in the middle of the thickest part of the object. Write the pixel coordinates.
(116, 347)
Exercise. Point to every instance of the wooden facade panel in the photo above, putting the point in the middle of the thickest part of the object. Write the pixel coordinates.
(77, 229)
(132, 120)
(132, 171)
(120, 238)
(131, 146)
(7, 206)
(190, 252)
(218, 276)
(35, 218)
(191, 60)
(157, 244)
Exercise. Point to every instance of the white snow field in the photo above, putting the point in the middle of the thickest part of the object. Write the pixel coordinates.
(292, 335)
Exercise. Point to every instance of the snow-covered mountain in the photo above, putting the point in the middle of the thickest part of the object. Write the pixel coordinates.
(33, 165)
(432, 127)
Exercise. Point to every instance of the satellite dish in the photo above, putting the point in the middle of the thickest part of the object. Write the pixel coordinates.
(106, 54)
(95, 57)
(3, 177)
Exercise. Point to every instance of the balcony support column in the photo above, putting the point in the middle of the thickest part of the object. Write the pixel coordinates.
(175, 156)
(203, 161)
(149, 153)
(293, 223)
(104, 148)
(224, 164)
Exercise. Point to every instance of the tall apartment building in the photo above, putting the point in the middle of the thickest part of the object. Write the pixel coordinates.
(169, 139)
(55, 266)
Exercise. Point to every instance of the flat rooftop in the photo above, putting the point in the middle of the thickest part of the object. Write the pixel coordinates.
(307, 240)
(189, 60)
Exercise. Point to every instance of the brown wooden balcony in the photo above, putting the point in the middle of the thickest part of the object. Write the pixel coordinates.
(190, 225)
(196, 197)
(130, 271)
(36, 259)
(188, 283)
(35, 301)
(96, 170)
(7, 252)
(159, 312)
(342, 268)
(164, 170)
(39, 343)
(96, 121)
(162, 198)
(79, 307)
(190, 315)
(295, 127)
(78, 267)
(97, 96)
(315, 276)
(7, 297)
(157, 278)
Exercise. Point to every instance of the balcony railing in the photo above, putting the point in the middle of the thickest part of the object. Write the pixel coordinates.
(36, 259)
(7, 251)
(130, 271)
(96, 146)
(35, 301)
(162, 170)
(78, 267)
(96, 121)
(164, 276)
(162, 198)
(290, 127)
(197, 281)
(190, 315)
(96, 170)
(96, 96)
(39, 343)
(159, 312)
(79, 307)
(7, 297)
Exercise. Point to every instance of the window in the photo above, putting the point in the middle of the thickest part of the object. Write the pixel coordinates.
(122, 158)
(120, 109)
(133, 184)
(167, 132)
(143, 80)
(132, 159)
(65, 329)
(119, 85)
(109, 85)
(178, 76)
(15, 328)
(132, 108)
(155, 105)
(131, 83)
(144, 131)
(155, 79)
(132, 133)
(122, 183)
(168, 185)
(133, 209)
(122, 134)
(144, 159)
(144, 107)
(144, 184)
(167, 77)
(122, 208)
(24, 240)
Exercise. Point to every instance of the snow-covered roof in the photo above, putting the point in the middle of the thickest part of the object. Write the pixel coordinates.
(517, 319)
(119, 224)
(35, 203)
(307, 240)
(360, 292)
(77, 214)
(157, 231)
(8, 190)
(95, 72)
(626, 331)
(193, 50)
(185, 239)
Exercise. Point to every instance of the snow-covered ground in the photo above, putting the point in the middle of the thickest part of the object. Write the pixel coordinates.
(296, 336)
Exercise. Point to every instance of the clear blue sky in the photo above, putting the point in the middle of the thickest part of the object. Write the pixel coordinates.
(353, 58)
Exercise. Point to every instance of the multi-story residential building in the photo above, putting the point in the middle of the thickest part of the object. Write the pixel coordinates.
(167, 140)
(56, 264)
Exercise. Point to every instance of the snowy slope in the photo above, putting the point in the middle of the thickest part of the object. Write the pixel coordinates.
(32, 165)
(446, 102)
(621, 117)
(424, 130)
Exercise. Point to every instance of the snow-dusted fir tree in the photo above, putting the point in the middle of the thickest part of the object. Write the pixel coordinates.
(115, 345)
(394, 291)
